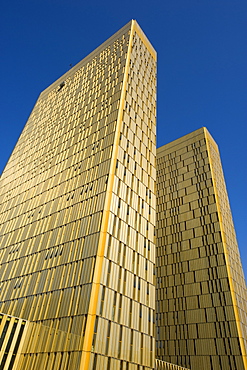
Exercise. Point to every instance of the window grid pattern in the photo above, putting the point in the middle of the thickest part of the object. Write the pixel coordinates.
(12, 332)
(125, 314)
(53, 196)
(162, 365)
(233, 261)
(196, 321)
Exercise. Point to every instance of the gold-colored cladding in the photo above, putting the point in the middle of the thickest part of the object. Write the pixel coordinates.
(235, 275)
(162, 365)
(105, 223)
(201, 292)
(12, 334)
(78, 213)
(103, 233)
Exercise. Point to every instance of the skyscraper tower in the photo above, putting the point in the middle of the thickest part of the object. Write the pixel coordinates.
(201, 291)
(78, 213)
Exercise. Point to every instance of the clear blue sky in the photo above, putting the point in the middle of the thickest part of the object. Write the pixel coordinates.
(202, 73)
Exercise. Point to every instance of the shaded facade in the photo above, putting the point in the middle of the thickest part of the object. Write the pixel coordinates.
(78, 215)
(163, 365)
(12, 334)
(201, 291)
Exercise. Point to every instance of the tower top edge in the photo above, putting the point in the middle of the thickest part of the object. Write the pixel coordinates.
(131, 25)
(144, 38)
(203, 132)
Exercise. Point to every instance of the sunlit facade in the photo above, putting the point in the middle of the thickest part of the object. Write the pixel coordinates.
(201, 291)
(78, 243)
(78, 215)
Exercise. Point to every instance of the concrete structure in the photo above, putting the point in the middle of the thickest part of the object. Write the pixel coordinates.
(201, 291)
(78, 215)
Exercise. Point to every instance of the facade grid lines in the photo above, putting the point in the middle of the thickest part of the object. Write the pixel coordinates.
(78, 214)
(97, 258)
(201, 299)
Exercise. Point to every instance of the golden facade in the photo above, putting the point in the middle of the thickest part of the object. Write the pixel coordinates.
(12, 333)
(162, 365)
(201, 291)
(78, 215)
